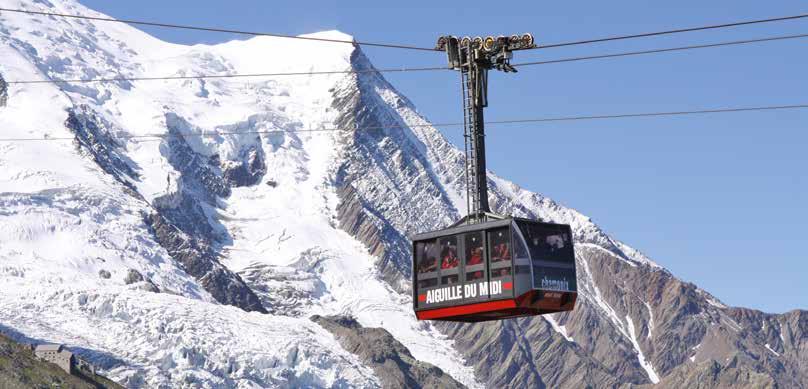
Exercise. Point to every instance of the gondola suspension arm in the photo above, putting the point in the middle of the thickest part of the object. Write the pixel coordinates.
(474, 58)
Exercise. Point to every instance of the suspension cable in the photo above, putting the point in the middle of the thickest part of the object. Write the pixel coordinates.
(452, 124)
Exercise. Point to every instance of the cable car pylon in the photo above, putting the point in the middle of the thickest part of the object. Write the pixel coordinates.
(474, 58)
(487, 266)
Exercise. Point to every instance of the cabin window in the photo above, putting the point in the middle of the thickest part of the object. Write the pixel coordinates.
(449, 261)
(519, 248)
(427, 256)
(473, 245)
(448, 253)
(474, 248)
(548, 243)
(499, 241)
(500, 245)
(427, 263)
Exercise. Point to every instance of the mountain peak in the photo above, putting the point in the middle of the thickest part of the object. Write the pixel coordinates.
(329, 34)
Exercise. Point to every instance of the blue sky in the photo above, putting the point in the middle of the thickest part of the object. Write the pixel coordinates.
(719, 199)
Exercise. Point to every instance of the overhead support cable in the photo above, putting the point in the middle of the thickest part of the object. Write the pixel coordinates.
(670, 32)
(401, 46)
(404, 69)
(652, 114)
(225, 76)
(656, 51)
(451, 124)
(215, 29)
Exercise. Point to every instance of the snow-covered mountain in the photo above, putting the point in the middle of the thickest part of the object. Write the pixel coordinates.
(198, 261)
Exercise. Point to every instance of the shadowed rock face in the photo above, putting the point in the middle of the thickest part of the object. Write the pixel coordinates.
(199, 260)
(94, 137)
(182, 226)
(390, 360)
(3, 92)
(248, 170)
(180, 221)
(711, 374)
(133, 276)
(383, 171)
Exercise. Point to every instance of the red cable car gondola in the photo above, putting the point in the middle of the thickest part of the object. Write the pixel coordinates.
(494, 270)
(489, 267)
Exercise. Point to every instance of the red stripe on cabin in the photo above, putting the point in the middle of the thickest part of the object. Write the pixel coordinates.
(421, 297)
(507, 285)
(465, 309)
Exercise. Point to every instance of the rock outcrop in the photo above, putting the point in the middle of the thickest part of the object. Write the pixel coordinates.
(3, 92)
(182, 225)
(390, 360)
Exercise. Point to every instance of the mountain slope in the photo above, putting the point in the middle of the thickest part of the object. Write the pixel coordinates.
(19, 368)
(245, 236)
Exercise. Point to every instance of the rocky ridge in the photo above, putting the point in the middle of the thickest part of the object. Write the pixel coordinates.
(390, 360)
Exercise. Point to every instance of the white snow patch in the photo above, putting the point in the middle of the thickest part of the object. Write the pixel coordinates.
(636, 255)
(598, 247)
(560, 329)
(598, 298)
(710, 299)
(650, 319)
(732, 323)
(715, 303)
(652, 375)
(770, 349)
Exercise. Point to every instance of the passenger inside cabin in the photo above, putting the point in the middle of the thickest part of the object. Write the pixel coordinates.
(550, 246)
(500, 246)
(476, 256)
(502, 252)
(449, 255)
(474, 249)
(555, 243)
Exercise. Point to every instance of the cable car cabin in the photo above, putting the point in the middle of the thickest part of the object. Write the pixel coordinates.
(494, 270)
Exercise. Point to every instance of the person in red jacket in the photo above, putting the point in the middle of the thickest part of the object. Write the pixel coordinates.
(450, 259)
(476, 256)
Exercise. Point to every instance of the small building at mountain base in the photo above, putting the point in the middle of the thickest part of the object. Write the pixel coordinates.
(55, 353)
